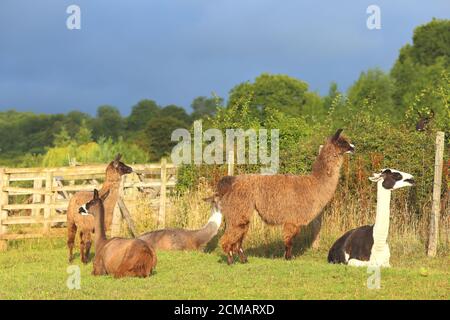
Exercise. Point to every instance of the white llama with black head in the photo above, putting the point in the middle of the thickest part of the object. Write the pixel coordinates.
(367, 245)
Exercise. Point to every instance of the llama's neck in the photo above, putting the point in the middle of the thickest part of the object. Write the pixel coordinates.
(209, 230)
(112, 182)
(326, 170)
(100, 234)
(381, 227)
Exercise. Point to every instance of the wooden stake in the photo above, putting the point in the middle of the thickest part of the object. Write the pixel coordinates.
(48, 199)
(162, 197)
(37, 197)
(436, 206)
(126, 214)
(4, 182)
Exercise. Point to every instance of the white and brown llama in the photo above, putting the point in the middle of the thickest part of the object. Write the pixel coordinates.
(288, 200)
(182, 239)
(85, 224)
(367, 245)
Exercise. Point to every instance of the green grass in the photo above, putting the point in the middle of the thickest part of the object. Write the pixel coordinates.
(38, 270)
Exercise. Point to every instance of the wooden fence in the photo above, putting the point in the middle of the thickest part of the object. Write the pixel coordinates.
(30, 196)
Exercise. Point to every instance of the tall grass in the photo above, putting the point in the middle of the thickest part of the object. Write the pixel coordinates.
(347, 210)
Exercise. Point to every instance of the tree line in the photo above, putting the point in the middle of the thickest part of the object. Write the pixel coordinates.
(416, 86)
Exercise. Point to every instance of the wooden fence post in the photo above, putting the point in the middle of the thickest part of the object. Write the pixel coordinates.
(48, 200)
(162, 195)
(436, 206)
(127, 216)
(230, 163)
(37, 197)
(4, 182)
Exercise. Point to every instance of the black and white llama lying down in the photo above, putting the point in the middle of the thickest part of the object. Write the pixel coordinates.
(367, 245)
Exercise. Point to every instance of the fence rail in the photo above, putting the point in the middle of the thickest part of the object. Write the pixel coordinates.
(41, 195)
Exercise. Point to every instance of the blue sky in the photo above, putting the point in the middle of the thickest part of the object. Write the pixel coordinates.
(172, 51)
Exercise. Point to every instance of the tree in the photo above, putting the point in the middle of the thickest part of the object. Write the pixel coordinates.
(333, 94)
(281, 92)
(176, 112)
(141, 113)
(431, 41)
(62, 138)
(421, 64)
(374, 85)
(108, 123)
(157, 135)
(84, 134)
(204, 106)
(73, 120)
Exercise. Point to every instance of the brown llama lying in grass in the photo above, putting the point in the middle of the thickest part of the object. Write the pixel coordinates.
(181, 239)
(85, 224)
(117, 256)
(288, 200)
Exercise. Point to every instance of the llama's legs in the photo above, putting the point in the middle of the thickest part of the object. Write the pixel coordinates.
(88, 243)
(289, 232)
(82, 247)
(237, 213)
(316, 226)
(240, 250)
(71, 233)
(232, 242)
(228, 243)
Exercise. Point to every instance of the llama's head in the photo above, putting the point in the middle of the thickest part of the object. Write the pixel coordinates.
(118, 168)
(340, 143)
(393, 179)
(424, 120)
(95, 205)
(215, 202)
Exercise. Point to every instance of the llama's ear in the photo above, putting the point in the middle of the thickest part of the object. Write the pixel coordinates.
(95, 194)
(336, 135)
(375, 177)
(105, 195)
(116, 160)
(209, 199)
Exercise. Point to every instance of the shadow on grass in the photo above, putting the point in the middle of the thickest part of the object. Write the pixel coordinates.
(302, 242)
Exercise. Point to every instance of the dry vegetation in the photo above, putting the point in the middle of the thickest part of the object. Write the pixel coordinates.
(408, 232)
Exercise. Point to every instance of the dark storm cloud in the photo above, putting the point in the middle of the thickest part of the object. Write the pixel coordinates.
(174, 50)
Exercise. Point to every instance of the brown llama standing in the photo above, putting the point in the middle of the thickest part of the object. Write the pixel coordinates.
(117, 256)
(85, 224)
(288, 200)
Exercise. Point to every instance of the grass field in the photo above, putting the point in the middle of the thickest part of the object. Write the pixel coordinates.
(37, 269)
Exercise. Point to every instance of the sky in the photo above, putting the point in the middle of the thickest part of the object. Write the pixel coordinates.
(172, 51)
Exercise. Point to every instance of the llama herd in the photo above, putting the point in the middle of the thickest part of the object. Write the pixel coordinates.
(288, 200)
